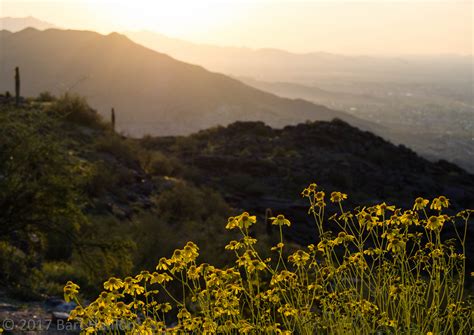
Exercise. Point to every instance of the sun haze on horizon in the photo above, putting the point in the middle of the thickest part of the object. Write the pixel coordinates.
(347, 27)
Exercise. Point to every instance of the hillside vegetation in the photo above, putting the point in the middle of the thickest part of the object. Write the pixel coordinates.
(80, 202)
(257, 167)
(76, 201)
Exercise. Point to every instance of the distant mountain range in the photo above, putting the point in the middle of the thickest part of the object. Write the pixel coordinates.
(15, 24)
(283, 66)
(152, 93)
(280, 65)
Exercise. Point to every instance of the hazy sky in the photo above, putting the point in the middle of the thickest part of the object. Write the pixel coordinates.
(350, 27)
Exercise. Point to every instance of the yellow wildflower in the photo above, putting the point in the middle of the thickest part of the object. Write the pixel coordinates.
(209, 326)
(435, 222)
(234, 245)
(420, 203)
(396, 241)
(131, 287)
(299, 258)
(338, 197)
(231, 223)
(90, 330)
(287, 310)
(164, 264)
(247, 240)
(373, 252)
(160, 278)
(279, 246)
(440, 203)
(382, 208)
(193, 272)
(183, 314)
(305, 193)
(280, 221)
(166, 307)
(436, 253)
(408, 218)
(243, 221)
(367, 219)
(143, 330)
(396, 245)
(319, 196)
(70, 291)
(395, 290)
(113, 284)
(190, 252)
(143, 276)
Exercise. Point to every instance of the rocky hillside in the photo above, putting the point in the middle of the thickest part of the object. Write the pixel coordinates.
(257, 167)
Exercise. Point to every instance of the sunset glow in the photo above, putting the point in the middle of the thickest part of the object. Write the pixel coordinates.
(349, 27)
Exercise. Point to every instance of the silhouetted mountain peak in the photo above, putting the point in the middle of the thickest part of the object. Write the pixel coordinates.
(28, 30)
(119, 37)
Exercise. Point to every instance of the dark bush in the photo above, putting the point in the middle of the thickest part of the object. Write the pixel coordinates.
(158, 164)
(121, 149)
(75, 108)
(46, 97)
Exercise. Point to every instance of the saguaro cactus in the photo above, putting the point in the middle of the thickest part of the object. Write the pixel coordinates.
(17, 85)
(268, 221)
(112, 118)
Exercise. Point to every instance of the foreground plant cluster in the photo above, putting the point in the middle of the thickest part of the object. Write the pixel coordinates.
(375, 270)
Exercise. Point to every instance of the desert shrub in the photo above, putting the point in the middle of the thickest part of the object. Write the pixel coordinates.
(20, 273)
(182, 203)
(40, 195)
(53, 275)
(46, 97)
(121, 149)
(45, 213)
(156, 163)
(39, 181)
(75, 108)
(101, 179)
(386, 271)
(183, 212)
(102, 249)
(59, 272)
(104, 258)
(13, 264)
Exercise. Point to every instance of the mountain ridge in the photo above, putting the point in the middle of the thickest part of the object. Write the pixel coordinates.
(273, 64)
(151, 91)
(256, 167)
(14, 24)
